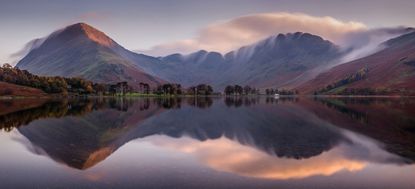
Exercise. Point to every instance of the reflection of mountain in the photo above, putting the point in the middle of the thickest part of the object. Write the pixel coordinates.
(83, 141)
(389, 120)
(286, 128)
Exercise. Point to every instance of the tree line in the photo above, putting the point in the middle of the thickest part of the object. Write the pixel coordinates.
(359, 75)
(79, 86)
(271, 91)
(239, 90)
(65, 86)
(60, 85)
(176, 89)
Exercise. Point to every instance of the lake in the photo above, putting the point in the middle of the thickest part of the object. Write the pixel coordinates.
(252, 142)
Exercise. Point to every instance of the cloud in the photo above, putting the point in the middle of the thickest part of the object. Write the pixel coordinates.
(370, 41)
(33, 44)
(232, 34)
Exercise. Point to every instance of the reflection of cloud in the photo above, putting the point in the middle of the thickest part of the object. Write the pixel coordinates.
(229, 156)
(245, 30)
(94, 176)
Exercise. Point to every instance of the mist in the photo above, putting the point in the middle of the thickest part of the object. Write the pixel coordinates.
(364, 43)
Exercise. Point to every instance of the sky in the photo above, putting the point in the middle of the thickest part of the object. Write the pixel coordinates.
(168, 26)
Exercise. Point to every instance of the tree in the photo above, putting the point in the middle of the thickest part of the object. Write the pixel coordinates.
(7, 66)
(247, 90)
(238, 90)
(229, 90)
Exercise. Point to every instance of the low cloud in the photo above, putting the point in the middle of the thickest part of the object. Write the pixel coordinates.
(232, 34)
(370, 41)
(35, 43)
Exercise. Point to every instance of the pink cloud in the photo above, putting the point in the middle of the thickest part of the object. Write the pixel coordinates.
(232, 34)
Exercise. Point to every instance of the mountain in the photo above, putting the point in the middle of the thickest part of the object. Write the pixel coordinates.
(80, 50)
(293, 60)
(275, 61)
(389, 71)
(279, 60)
(195, 68)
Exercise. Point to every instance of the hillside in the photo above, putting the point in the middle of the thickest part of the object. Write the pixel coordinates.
(389, 71)
(80, 50)
(8, 89)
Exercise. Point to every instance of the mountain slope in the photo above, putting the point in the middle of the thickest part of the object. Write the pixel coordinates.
(80, 50)
(391, 71)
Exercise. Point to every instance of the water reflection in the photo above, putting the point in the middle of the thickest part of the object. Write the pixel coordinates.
(285, 138)
(226, 155)
(389, 120)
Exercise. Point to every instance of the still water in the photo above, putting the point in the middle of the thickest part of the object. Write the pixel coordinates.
(208, 143)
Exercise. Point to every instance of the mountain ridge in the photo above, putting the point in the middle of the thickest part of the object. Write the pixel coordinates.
(279, 61)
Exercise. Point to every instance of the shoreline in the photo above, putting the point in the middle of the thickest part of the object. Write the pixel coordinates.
(193, 96)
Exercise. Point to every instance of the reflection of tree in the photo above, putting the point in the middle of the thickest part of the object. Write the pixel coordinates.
(176, 102)
(79, 107)
(233, 101)
(391, 121)
(272, 100)
(57, 109)
(144, 104)
(24, 117)
(200, 102)
(338, 104)
(168, 102)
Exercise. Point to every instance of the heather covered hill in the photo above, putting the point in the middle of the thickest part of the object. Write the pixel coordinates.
(389, 71)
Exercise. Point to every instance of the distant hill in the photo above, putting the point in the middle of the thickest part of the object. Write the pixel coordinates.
(389, 71)
(80, 50)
